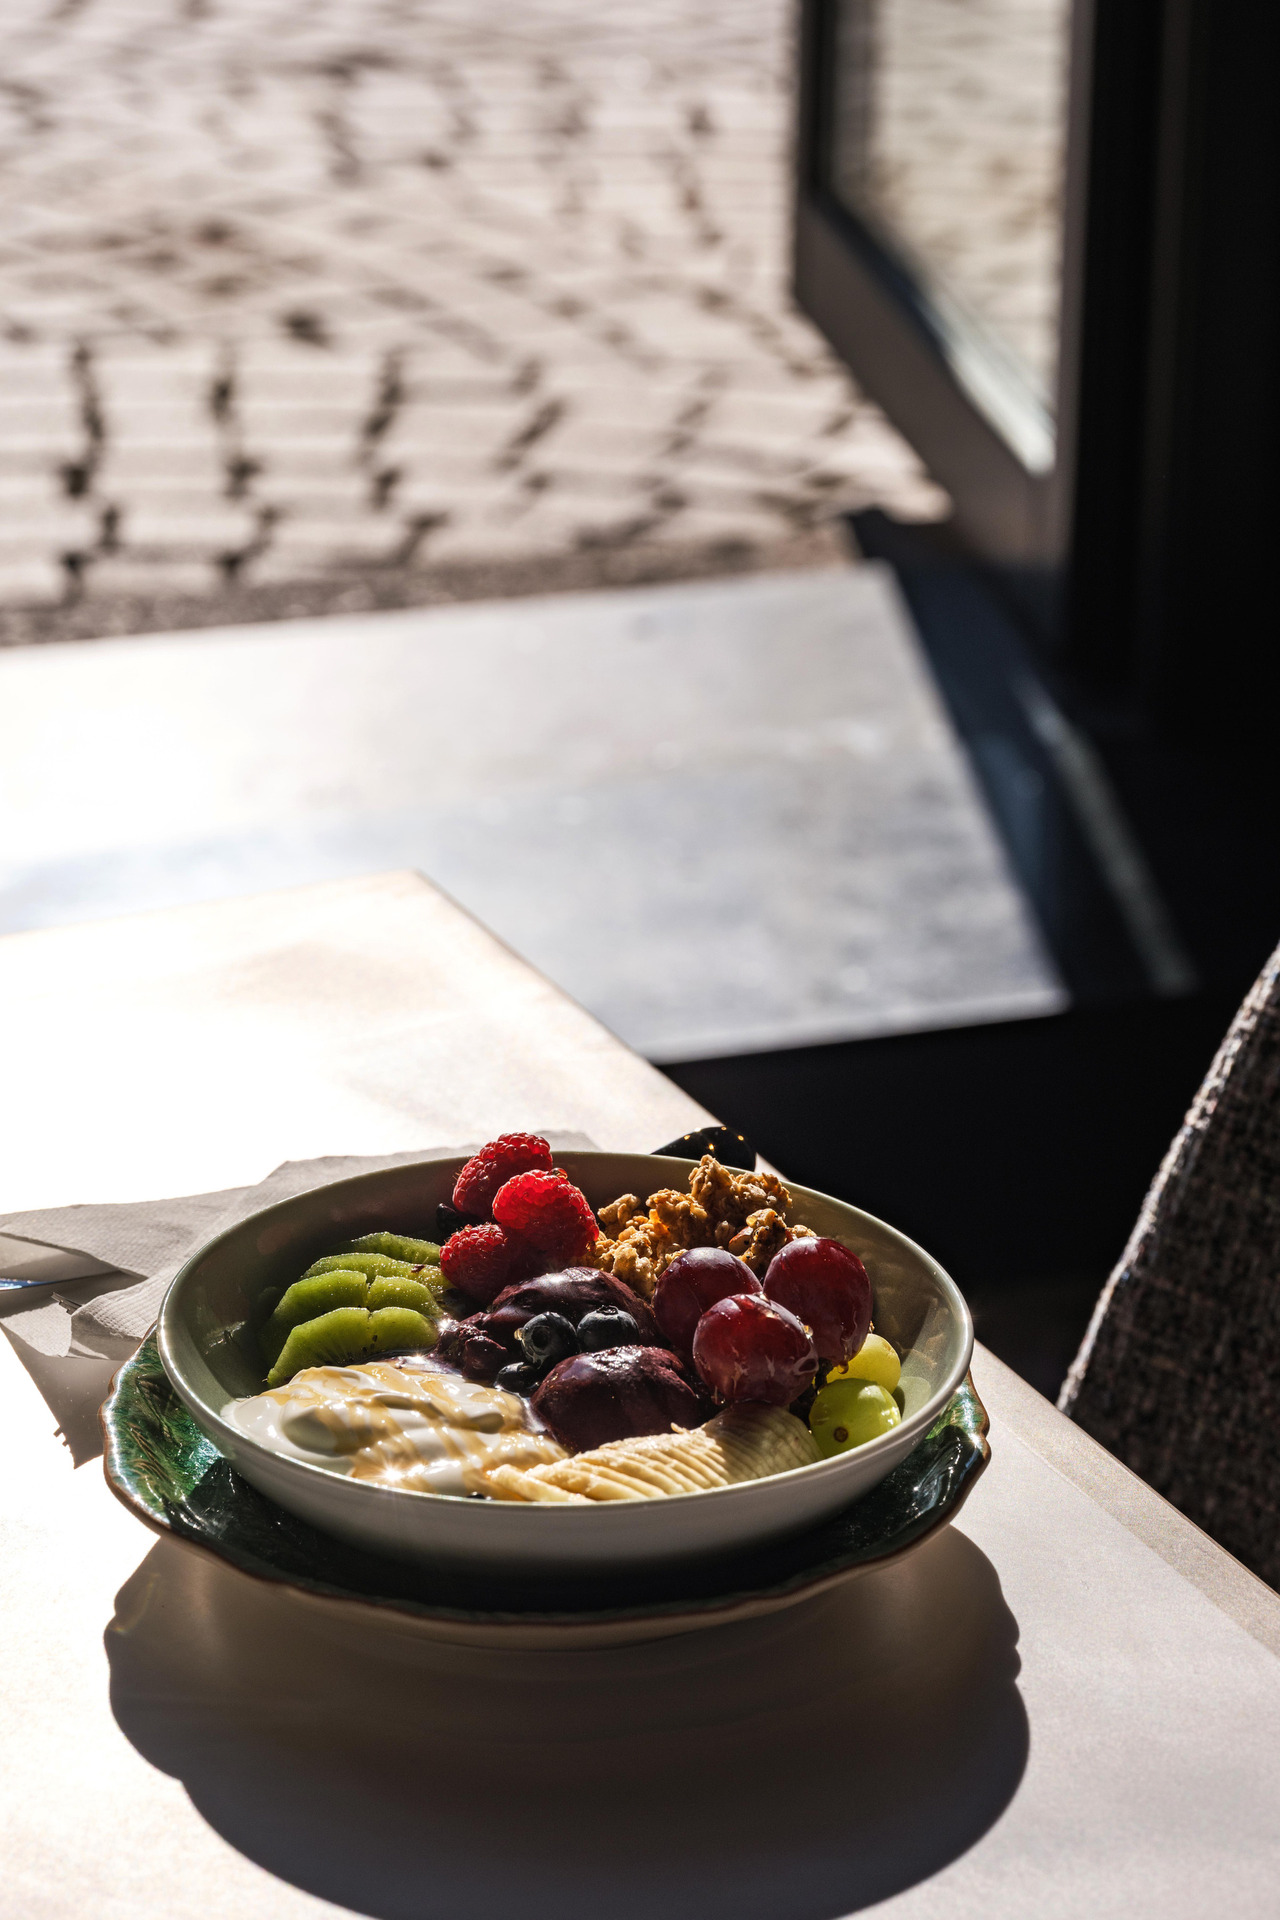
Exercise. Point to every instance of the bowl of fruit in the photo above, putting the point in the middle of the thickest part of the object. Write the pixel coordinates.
(592, 1360)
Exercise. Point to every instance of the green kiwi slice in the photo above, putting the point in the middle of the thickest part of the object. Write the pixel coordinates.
(330, 1340)
(304, 1300)
(394, 1291)
(373, 1265)
(417, 1252)
(348, 1334)
(393, 1329)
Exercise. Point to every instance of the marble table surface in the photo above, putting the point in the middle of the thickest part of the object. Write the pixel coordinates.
(1067, 1704)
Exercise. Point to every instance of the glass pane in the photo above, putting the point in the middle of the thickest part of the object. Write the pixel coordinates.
(948, 142)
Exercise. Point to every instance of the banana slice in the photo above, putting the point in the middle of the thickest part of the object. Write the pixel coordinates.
(742, 1443)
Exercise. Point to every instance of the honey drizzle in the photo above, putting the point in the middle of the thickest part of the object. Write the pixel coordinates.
(475, 1427)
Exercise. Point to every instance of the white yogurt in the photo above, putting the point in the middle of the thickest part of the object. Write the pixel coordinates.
(404, 1424)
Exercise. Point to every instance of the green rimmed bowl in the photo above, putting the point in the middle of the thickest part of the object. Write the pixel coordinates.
(916, 1304)
(171, 1475)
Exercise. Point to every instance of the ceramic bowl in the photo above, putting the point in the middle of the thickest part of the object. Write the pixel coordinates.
(916, 1305)
(172, 1478)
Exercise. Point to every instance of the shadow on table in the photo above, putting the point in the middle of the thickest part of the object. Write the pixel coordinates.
(802, 1765)
(73, 1387)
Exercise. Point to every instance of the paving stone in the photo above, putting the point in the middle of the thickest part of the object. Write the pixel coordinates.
(113, 578)
(47, 527)
(313, 540)
(527, 265)
(24, 579)
(140, 468)
(208, 529)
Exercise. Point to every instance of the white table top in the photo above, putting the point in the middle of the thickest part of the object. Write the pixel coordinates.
(1068, 1704)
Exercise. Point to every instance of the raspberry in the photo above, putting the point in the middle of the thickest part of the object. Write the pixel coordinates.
(548, 1210)
(486, 1171)
(478, 1261)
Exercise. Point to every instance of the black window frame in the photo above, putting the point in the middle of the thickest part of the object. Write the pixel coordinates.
(1154, 530)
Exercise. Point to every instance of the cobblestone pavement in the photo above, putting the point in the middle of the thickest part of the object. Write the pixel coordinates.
(311, 304)
(956, 139)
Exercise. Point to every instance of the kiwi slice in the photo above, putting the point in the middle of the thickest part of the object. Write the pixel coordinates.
(395, 1329)
(331, 1340)
(304, 1300)
(394, 1291)
(417, 1252)
(373, 1265)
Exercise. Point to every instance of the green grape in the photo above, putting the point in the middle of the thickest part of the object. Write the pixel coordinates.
(874, 1360)
(848, 1413)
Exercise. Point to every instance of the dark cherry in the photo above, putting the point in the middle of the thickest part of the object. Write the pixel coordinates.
(470, 1350)
(748, 1347)
(591, 1398)
(694, 1281)
(607, 1327)
(826, 1287)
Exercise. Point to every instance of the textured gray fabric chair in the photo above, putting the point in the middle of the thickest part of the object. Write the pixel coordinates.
(1179, 1373)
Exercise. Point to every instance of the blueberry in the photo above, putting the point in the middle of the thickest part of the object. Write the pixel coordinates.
(450, 1221)
(607, 1327)
(546, 1339)
(519, 1377)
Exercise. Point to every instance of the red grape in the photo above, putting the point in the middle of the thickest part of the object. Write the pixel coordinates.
(746, 1348)
(694, 1281)
(826, 1287)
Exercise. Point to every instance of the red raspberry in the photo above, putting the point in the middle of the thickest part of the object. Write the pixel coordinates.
(485, 1172)
(547, 1209)
(478, 1261)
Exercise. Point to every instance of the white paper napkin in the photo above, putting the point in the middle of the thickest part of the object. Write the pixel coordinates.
(142, 1245)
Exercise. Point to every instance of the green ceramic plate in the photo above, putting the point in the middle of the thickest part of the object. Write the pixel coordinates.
(167, 1472)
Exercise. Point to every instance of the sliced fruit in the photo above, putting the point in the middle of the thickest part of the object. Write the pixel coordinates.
(306, 1300)
(742, 1443)
(848, 1413)
(398, 1329)
(874, 1360)
(331, 1340)
(372, 1265)
(400, 1247)
(397, 1291)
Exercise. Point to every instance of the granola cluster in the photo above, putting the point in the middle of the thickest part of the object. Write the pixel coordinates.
(745, 1212)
